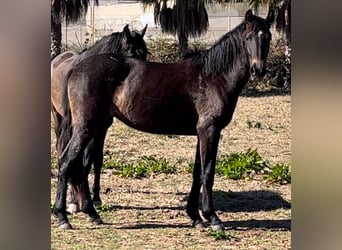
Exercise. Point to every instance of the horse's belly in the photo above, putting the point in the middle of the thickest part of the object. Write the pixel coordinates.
(161, 120)
(156, 107)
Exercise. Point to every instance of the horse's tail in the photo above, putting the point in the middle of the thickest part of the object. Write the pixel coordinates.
(64, 127)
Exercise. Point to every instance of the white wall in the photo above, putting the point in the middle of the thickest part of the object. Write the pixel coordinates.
(111, 17)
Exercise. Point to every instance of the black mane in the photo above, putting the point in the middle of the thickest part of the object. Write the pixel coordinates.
(223, 55)
(107, 44)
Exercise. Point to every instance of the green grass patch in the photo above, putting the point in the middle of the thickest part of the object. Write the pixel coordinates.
(189, 168)
(53, 162)
(220, 235)
(145, 167)
(104, 208)
(52, 206)
(245, 165)
(241, 165)
(279, 173)
(235, 166)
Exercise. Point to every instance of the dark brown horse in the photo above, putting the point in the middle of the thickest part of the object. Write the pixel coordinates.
(128, 43)
(196, 96)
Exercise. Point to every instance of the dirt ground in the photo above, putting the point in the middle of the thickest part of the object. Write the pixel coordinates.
(149, 213)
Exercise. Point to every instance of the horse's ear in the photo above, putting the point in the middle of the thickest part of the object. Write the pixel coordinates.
(127, 32)
(270, 16)
(249, 15)
(126, 29)
(143, 31)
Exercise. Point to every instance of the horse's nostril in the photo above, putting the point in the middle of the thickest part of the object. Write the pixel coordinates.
(253, 70)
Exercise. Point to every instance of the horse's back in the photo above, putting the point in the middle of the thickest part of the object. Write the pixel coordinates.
(178, 75)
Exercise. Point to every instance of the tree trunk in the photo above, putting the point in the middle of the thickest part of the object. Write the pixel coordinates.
(56, 38)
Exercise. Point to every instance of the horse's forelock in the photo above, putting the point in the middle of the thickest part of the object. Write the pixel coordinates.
(257, 24)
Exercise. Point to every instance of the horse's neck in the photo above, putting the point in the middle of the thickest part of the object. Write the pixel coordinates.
(227, 56)
(234, 66)
(107, 44)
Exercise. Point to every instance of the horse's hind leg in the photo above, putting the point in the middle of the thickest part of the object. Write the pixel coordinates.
(60, 204)
(71, 166)
(192, 205)
(87, 205)
(98, 161)
(66, 163)
(74, 203)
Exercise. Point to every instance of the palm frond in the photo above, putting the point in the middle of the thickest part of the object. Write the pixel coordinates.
(72, 10)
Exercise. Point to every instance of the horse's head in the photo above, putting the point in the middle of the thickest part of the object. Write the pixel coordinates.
(133, 43)
(258, 38)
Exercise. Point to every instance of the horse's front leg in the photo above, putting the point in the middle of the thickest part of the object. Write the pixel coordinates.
(87, 205)
(192, 205)
(209, 138)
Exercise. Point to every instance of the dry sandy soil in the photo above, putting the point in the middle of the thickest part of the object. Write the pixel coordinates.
(149, 213)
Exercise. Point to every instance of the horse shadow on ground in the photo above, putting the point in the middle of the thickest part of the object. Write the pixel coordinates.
(231, 202)
(249, 201)
(252, 201)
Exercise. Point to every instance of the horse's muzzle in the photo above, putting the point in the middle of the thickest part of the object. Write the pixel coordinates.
(257, 72)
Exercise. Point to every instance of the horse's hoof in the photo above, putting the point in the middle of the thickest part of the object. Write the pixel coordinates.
(198, 224)
(97, 221)
(65, 226)
(73, 208)
(217, 227)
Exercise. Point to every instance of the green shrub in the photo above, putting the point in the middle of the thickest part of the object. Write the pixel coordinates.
(240, 165)
(164, 50)
(280, 173)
